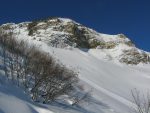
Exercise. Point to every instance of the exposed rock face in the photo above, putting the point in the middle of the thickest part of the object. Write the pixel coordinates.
(75, 34)
(61, 33)
(102, 44)
(133, 56)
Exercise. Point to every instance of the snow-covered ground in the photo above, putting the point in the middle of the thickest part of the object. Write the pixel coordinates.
(111, 82)
(99, 69)
(111, 85)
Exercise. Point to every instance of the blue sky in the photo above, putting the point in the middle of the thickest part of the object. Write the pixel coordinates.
(131, 17)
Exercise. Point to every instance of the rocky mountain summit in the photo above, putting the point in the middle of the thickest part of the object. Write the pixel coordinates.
(66, 33)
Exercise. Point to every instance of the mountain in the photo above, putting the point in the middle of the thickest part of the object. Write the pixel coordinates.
(64, 33)
(110, 65)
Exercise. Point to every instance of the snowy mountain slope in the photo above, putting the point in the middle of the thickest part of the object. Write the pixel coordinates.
(64, 33)
(99, 69)
(13, 100)
(112, 82)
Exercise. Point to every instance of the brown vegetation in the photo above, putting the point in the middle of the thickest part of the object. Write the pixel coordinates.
(35, 70)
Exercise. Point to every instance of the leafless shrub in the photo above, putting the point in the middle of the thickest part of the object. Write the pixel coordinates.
(141, 101)
(36, 70)
(83, 97)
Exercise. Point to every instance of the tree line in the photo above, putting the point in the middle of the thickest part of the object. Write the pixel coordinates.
(37, 71)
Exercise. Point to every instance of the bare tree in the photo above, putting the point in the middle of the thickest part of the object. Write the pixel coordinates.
(3, 45)
(141, 101)
(37, 70)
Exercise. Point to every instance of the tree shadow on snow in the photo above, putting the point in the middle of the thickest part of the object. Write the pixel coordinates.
(81, 108)
(12, 90)
(1, 111)
(32, 109)
(19, 93)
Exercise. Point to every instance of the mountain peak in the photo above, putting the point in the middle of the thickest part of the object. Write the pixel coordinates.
(64, 33)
